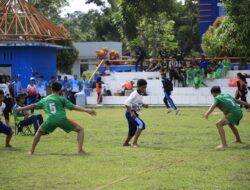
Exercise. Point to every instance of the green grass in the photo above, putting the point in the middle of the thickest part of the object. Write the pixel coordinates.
(168, 138)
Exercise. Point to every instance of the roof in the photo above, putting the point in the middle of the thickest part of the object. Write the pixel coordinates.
(20, 21)
(33, 44)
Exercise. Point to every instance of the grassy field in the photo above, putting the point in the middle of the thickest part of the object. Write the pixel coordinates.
(177, 152)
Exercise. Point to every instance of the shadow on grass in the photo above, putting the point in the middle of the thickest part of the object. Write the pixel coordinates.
(62, 154)
(11, 149)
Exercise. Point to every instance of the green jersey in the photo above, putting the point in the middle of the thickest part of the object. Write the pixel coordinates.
(227, 103)
(190, 73)
(54, 107)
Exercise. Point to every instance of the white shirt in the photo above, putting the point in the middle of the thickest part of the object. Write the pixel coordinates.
(2, 107)
(134, 101)
(4, 87)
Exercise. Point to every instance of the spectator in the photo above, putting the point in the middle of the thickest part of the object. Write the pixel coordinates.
(154, 66)
(59, 79)
(75, 84)
(99, 90)
(85, 84)
(66, 88)
(226, 66)
(198, 80)
(42, 88)
(37, 79)
(7, 99)
(17, 86)
(51, 82)
(32, 93)
(189, 75)
(241, 91)
(194, 62)
(204, 63)
(23, 117)
(141, 54)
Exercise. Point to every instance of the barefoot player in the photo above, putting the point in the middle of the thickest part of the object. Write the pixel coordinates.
(233, 114)
(54, 106)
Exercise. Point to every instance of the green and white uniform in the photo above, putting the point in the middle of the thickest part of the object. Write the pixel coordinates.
(227, 104)
(54, 107)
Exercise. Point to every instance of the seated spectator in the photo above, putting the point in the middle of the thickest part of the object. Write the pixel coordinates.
(23, 117)
(128, 85)
(189, 75)
(198, 80)
(204, 63)
(153, 66)
(213, 71)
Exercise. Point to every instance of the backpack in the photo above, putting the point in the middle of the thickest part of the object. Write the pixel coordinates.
(167, 85)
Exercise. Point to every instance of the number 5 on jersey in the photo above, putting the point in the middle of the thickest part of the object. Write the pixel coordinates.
(52, 108)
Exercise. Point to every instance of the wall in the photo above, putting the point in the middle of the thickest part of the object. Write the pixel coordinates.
(25, 61)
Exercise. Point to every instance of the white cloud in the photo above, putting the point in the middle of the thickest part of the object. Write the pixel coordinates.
(78, 5)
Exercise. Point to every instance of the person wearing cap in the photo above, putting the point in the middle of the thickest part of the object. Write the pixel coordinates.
(32, 92)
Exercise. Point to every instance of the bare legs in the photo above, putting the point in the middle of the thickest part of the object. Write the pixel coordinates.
(7, 140)
(80, 138)
(137, 135)
(220, 124)
(36, 140)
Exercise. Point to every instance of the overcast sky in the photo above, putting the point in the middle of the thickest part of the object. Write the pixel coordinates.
(79, 5)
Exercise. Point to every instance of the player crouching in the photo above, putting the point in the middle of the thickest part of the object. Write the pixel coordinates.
(233, 114)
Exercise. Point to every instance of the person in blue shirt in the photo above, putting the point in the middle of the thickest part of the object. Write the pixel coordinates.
(37, 78)
(66, 88)
(85, 83)
(42, 87)
(17, 86)
(59, 79)
(204, 63)
(75, 84)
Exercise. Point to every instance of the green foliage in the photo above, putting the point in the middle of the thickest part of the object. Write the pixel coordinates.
(87, 74)
(167, 138)
(66, 58)
(231, 37)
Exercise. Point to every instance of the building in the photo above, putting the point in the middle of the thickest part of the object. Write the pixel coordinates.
(87, 54)
(27, 41)
(209, 11)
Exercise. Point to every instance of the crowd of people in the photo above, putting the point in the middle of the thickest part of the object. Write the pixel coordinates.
(191, 73)
(16, 95)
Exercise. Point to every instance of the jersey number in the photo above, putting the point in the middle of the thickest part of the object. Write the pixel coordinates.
(233, 103)
(52, 108)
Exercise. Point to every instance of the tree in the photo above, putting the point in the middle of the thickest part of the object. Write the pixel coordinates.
(66, 58)
(231, 37)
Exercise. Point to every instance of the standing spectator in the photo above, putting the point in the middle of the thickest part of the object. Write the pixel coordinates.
(85, 84)
(51, 82)
(226, 63)
(204, 63)
(37, 79)
(141, 54)
(7, 99)
(99, 90)
(241, 91)
(75, 84)
(168, 88)
(66, 88)
(32, 93)
(59, 79)
(17, 86)
(42, 88)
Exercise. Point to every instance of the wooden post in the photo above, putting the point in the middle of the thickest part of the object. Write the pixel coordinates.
(97, 68)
